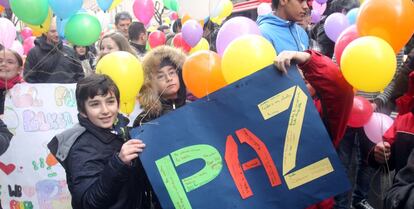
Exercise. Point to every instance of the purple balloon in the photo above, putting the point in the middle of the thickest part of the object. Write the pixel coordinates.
(377, 125)
(321, 1)
(192, 32)
(335, 24)
(319, 8)
(315, 16)
(234, 28)
(5, 3)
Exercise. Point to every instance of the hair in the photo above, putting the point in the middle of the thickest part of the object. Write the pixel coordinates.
(86, 48)
(122, 16)
(120, 41)
(176, 25)
(135, 29)
(15, 54)
(275, 4)
(93, 85)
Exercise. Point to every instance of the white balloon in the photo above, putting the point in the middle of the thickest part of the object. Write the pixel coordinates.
(264, 8)
(17, 47)
(198, 9)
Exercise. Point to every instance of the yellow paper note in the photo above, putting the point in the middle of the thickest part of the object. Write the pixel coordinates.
(309, 173)
(276, 104)
(293, 131)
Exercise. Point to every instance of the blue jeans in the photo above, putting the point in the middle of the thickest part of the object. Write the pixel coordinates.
(363, 173)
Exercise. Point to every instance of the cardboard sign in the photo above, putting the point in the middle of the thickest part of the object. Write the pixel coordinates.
(257, 143)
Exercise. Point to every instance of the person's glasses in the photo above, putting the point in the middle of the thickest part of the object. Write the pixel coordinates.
(165, 76)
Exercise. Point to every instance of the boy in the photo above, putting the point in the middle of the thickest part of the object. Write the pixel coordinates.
(97, 156)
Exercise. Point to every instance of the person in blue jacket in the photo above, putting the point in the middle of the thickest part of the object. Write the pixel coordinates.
(280, 28)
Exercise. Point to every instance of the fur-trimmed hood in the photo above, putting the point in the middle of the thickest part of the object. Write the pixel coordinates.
(152, 105)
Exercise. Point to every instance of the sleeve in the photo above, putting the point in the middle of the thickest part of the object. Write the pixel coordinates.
(5, 137)
(335, 93)
(95, 183)
(28, 71)
(401, 194)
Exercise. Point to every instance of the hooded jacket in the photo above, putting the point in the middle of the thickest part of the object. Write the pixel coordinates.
(47, 63)
(152, 104)
(96, 177)
(283, 34)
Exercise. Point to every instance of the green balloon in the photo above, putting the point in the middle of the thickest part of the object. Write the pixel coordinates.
(33, 12)
(171, 5)
(82, 29)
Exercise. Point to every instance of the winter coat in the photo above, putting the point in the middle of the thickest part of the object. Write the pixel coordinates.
(154, 108)
(5, 137)
(96, 177)
(335, 94)
(47, 63)
(283, 34)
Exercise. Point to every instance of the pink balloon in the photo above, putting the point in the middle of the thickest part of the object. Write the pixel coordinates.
(173, 16)
(264, 8)
(26, 32)
(143, 10)
(28, 44)
(319, 8)
(346, 37)
(234, 28)
(7, 32)
(377, 125)
(17, 47)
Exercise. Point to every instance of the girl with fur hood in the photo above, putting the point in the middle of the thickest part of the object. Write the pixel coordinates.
(163, 90)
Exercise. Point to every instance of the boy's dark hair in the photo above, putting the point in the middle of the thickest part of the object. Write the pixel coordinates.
(135, 29)
(122, 16)
(275, 4)
(93, 85)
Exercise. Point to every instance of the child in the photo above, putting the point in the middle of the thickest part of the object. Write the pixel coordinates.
(163, 90)
(101, 163)
(11, 65)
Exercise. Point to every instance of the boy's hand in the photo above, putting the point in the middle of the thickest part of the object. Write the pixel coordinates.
(382, 152)
(130, 150)
(284, 59)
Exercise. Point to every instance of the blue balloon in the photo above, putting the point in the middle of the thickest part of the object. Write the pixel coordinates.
(65, 8)
(352, 15)
(60, 26)
(104, 4)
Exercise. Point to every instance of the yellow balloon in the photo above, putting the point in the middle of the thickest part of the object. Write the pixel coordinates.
(368, 64)
(218, 20)
(201, 45)
(38, 30)
(114, 4)
(126, 71)
(227, 9)
(246, 55)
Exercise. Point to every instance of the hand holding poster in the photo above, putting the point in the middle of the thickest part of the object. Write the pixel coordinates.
(257, 143)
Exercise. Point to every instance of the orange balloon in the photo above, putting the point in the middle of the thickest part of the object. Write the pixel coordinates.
(391, 20)
(1, 9)
(202, 73)
(185, 18)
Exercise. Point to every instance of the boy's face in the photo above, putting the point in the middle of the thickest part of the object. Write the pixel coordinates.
(295, 10)
(102, 110)
(168, 82)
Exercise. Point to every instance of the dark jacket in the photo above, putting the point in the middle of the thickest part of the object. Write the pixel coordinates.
(5, 137)
(47, 63)
(140, 49)
(96, 177)
(335, 94)
(401, 194)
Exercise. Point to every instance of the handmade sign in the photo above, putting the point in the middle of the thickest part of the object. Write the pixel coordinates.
(257, 143)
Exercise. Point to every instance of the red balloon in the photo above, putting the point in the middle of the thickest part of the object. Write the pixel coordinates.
(361, 112)
(179, 42)
(156, 38)
(346, 37)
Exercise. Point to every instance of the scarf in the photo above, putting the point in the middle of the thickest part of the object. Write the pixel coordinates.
(8, 84)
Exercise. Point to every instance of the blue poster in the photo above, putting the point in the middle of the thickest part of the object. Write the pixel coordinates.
(257, 143)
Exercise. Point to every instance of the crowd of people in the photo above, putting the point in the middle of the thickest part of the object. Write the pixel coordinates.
(102, 163)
